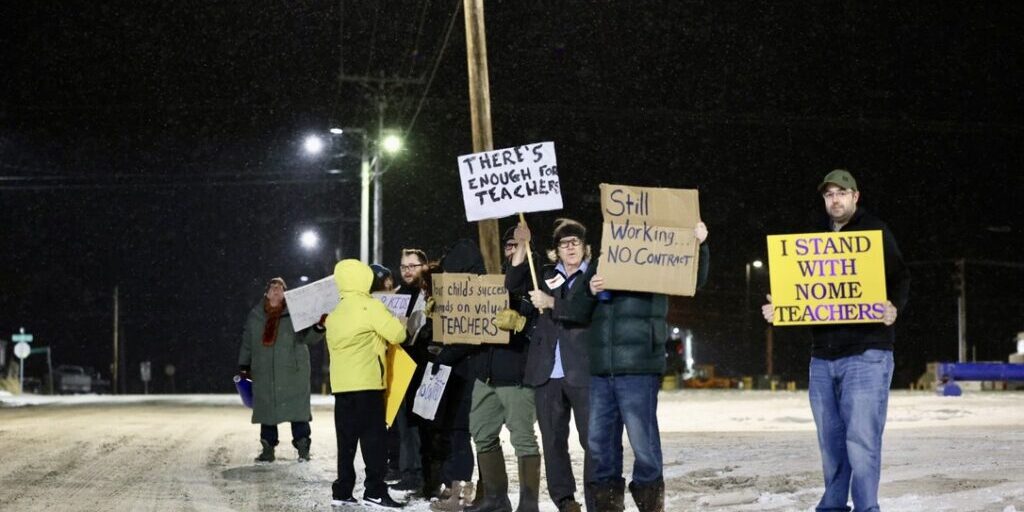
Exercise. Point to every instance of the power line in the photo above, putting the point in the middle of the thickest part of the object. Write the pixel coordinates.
(433, 71)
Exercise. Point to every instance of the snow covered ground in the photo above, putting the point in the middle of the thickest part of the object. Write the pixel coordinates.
(724, 451)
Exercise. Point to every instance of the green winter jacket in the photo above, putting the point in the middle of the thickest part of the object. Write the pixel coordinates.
(627, 334)
(280, 372)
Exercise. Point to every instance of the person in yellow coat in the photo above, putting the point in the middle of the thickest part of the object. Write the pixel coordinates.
(358, 333)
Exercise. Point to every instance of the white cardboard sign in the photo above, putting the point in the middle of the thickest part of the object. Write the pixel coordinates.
(508, 181)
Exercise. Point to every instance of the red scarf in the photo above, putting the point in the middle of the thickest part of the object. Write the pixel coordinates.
(273, 318)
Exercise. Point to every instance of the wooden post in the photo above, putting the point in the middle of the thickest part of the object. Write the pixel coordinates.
(480, 114)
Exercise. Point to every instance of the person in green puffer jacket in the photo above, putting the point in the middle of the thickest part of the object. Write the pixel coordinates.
(626, 345)
(277, 359)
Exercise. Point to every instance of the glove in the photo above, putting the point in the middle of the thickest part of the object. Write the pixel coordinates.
(428, 307)
(319, 326)
(510, 320)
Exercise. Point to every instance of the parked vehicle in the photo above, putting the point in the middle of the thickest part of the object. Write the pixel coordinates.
(72, 379)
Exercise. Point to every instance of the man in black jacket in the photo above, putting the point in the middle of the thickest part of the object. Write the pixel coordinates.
(498, 399)
(852, 364)
(558, 366)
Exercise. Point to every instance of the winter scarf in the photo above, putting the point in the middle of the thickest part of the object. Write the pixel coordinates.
(273, 319)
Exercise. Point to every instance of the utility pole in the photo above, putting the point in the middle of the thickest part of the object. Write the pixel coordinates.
(480, 113)
(378, 190)
(114, 373)
(960, 281)
(364, 203)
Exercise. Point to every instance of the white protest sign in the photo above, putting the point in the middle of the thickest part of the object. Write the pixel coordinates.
(505, 182)
(397, 303)
(307, 303)
(431, 389)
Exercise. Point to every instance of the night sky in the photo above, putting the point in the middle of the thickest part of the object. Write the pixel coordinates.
(156, 147)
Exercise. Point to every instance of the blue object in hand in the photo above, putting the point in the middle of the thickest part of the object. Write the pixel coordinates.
(244, 387)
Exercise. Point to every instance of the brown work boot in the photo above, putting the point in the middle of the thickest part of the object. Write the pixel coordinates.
(451, 503)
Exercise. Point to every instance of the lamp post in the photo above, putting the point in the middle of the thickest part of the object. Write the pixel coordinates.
(369, 171)
(391, 144)
(756, 264)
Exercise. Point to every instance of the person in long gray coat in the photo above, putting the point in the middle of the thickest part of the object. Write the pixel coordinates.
(277, 359)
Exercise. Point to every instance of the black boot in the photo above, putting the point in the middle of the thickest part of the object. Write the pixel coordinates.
(649, 497)
(492, 470)
(609, 496)
(529, 483)
(267, 455)
(302, 445)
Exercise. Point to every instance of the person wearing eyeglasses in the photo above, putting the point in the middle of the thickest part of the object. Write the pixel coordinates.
(626, 342)
(852, 364)
(412, 268)
(558, 366)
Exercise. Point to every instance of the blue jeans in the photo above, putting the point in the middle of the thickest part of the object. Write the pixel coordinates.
(630, 402)
(849, 398)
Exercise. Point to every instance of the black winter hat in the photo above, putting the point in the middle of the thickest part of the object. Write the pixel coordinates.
(509, 234)
(567, 227)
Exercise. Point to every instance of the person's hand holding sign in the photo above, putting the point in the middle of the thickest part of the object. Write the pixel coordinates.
(701, 232)
(767, 311)
(889, 317)
(521, 236)
(541, 300)
(596, 284)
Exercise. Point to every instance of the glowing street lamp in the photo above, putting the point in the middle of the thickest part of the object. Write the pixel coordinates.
(309, 240)
(391, 144)
(313, 145)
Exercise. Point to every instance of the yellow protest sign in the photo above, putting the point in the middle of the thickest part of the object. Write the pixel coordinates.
(827, 278)
(465, 307)
(647, 240)
(400, 370)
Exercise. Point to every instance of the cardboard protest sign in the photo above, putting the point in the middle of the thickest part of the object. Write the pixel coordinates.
(504, 182)
(307, 303)
(827, 278)
(428, 395)
(400, 370)
(465, 306)
(647, 240)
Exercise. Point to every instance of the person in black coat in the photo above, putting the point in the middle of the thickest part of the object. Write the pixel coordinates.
(558, 365)
(852, 364)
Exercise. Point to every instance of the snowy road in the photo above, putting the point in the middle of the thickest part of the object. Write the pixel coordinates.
(724, 451)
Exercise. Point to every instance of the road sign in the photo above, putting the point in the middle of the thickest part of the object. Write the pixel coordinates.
(22, 350)
(21, 338)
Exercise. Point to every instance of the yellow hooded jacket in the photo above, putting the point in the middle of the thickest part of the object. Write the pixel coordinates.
(358, 331)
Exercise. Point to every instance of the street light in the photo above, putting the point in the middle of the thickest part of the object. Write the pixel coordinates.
(309, 240)
(387, 142)
(313, 145)
(391, 143)
(757, 264)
